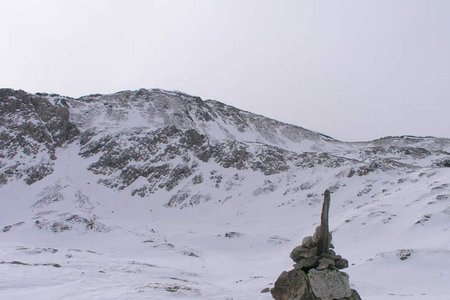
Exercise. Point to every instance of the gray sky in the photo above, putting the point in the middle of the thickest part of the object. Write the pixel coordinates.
(355, 70)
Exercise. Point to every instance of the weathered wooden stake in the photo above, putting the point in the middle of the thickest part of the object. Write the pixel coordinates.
(324, 235)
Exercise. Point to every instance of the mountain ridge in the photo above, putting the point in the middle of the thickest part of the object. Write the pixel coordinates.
(205, 199)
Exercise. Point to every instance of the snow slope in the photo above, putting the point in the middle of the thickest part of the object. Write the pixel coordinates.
(164, 196)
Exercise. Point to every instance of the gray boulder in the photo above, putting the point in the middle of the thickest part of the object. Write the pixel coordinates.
(307, 263)
(313, 285)
(292, 285)
(329, 284)
(341, 263)
(325, 263)
(308, 242)
(300, 252)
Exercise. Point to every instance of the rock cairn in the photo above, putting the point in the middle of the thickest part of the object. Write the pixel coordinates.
(316, 272)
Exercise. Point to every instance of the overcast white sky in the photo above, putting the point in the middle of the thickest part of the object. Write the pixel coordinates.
(355, 70)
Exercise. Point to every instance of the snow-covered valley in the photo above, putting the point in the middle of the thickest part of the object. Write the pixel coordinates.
(160, 195)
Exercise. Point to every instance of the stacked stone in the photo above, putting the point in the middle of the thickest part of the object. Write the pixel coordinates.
(316, 272)
(307, 255)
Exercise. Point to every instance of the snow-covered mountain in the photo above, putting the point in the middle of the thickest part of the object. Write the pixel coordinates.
(152, 194)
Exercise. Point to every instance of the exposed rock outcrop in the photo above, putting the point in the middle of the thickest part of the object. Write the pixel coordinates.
(32, 127)
(316, 272)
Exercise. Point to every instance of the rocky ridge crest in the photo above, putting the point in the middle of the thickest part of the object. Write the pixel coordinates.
(146, 141)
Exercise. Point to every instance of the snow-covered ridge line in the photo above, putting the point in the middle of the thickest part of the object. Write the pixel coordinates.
(121, 117)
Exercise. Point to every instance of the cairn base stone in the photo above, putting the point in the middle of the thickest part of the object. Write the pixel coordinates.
(292, 285)
(313, 285)
(329, 284)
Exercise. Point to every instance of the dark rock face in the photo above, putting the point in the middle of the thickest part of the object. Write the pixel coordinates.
(313, 159)
(167, 156)
(33, 128)
(316, 272)
(445, 163)
(266, 159)
(67, 221)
